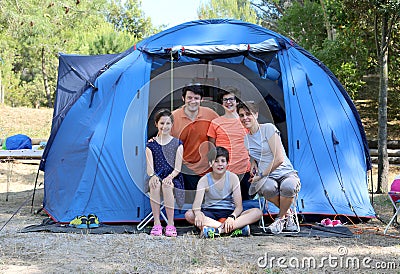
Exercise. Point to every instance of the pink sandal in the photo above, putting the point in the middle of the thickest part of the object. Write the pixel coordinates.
(156, 230)
(170, 231)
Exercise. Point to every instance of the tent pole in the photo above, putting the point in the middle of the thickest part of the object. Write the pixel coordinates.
(172, 82)
(34, 189)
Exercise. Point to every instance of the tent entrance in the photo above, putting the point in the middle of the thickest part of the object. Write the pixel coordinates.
(240, 72)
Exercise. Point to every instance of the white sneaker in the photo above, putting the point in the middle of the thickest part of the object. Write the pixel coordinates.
(277, 226)
(291, 224)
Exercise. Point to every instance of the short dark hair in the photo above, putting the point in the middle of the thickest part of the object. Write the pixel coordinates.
(195, 88)
(161, 113)
(247, 106)
(216, 152)
(228, 90)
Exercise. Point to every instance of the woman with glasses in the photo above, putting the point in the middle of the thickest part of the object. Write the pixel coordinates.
(227, 131)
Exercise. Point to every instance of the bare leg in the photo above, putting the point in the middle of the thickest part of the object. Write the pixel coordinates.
(155, 203)
(249, 216)
(283, 203)
(189, 216)
(169, 202)
(211, 222)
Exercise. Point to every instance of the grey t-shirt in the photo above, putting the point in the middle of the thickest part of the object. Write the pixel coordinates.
(258, 147)
(219, 199)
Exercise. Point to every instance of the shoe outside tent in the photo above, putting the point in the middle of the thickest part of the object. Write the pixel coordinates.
(94, 161)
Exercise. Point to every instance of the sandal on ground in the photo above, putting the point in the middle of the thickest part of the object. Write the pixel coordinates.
(156, 230)
(170, 231)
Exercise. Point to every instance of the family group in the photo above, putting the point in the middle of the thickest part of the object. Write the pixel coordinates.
(220, 160)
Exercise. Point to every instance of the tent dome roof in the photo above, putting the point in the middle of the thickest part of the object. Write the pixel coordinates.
(211, 32)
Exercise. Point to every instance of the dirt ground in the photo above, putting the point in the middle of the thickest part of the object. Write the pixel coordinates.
(43, 252)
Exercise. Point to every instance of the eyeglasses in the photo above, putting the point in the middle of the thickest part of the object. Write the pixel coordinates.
(231, 99)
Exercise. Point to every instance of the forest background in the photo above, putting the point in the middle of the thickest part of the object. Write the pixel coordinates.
(357, 40)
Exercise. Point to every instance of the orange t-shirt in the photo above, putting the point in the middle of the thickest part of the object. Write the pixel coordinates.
(193, 134)
(229, 133)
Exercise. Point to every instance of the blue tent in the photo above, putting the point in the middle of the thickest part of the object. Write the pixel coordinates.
(94, 161)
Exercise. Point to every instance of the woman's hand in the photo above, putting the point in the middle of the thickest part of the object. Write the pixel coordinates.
(254, 179)
(253, 172)
(253, 169)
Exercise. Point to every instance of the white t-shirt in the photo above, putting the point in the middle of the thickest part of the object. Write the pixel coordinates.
(258, 147)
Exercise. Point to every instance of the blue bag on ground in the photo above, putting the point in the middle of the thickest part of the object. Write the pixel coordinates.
(18, 141)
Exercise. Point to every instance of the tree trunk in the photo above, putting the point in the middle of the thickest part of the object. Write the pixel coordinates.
(328, 27)
(45, 81)
(383, 161)
(1, 91)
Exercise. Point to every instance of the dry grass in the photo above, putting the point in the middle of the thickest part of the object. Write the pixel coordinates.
(43, 252)
(35, 123)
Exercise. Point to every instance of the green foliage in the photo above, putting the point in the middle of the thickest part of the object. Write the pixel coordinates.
(126, 16)
(347, 59)
(304, 24)
(32, 95)
(233, 9)
(100, 27)
(394, 58)
(43, 27)
(347, 53)
(30, 27)
(110, 42)
(270, 11)
(349, 76)
(358, 24)
(107, 41)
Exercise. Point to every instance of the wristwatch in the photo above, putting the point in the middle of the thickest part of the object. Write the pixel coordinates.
(232, 216)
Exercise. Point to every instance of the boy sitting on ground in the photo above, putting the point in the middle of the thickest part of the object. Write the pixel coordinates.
(222, 210)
